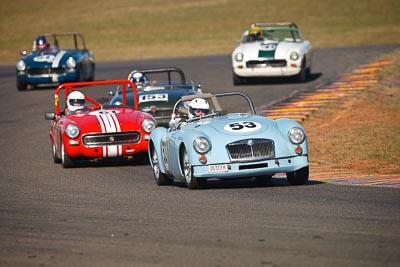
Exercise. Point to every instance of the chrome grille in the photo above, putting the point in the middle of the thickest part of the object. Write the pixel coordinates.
(251, 149)
(108, 139)
(265, 63)
(43, 71)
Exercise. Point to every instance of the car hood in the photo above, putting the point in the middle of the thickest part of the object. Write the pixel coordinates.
(53, 58)
(234, 124)
(103, 120)
(270, 49)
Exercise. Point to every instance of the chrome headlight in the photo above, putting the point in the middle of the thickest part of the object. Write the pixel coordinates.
(21, 65)
(294, 56)
(201, 145)
(148, 125)
(72, 130)
(71, 63)
(296, 135)
(239, 57)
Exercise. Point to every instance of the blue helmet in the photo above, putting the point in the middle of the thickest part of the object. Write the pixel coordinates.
(137, 78)
(41, 43)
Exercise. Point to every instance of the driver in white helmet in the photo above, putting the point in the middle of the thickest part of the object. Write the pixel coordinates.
(75, 101)
(198, 107)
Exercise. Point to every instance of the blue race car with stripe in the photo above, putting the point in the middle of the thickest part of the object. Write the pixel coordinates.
(55, 58)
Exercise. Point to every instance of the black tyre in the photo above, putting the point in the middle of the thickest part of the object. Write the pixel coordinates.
(92, 72)
(21, 86)
(298, 177)
(159, 177)
(237, 80)
(304, 73)
(81, 73)
(190, 181)
(66, 161)
(55, 158)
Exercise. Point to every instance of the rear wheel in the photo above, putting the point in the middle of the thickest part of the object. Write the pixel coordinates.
(190, 181)
(65, 159)
(298, 177)
(159, 177)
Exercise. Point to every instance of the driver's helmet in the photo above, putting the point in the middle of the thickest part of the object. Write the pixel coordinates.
(256, 34)
(138, 78)
(198, 107)
(41, 43)
(75, 101)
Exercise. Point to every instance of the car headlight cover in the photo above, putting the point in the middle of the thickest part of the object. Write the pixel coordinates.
(148, 125)
(21, 65)
(71, 63)
(294, 55)
(201, 145)
(72, 130)
(239, 57)
(296, 135)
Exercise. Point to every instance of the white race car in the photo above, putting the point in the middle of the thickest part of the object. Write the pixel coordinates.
(272, 50)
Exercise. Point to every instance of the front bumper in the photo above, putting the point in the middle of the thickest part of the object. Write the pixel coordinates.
(52, 78)
(266, 71)
(79, 151)
(258, 168)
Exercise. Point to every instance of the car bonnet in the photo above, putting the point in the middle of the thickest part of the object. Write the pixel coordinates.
(236, 124)
(53, 59)
(104, 121)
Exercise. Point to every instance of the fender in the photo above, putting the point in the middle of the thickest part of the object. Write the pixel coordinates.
(156, 139)
(285, 124)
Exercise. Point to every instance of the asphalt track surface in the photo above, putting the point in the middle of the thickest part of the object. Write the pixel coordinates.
(115, 215)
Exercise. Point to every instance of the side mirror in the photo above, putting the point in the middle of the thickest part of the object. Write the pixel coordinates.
(23, 53)
(199, 87)
(50, 116)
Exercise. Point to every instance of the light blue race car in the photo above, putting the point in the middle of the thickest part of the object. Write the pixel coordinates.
(55, 58)
(227, 145)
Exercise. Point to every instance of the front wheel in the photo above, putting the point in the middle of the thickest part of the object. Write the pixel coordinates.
(190, 181)
(56, 159)
(298, 177)
(21, 86)
(65, 159)
(237, 80)
(159, 177)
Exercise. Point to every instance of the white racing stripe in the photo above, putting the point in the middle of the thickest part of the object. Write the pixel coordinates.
(56, 64)
(57, 59)
(109, 124)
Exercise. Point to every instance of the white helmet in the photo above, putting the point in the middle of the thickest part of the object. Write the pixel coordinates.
(198, 107)
(75, 101)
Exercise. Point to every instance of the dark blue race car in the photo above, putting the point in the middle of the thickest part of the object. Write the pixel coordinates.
(55, 58)
(159, 91)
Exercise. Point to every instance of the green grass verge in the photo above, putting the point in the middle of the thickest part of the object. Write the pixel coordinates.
(136, 29)
(361, 133)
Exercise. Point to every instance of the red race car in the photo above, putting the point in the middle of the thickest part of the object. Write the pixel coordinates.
(82, 128)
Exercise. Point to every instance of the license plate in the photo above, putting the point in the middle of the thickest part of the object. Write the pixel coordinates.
(218, 168)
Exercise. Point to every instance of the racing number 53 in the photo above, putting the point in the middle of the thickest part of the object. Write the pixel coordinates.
(240, 125)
